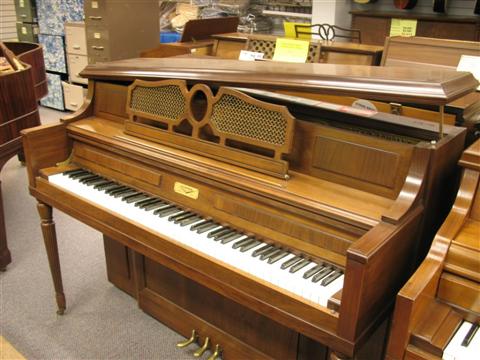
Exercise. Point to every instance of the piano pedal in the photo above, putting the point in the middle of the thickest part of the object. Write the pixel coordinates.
(193, 338)
(216, 354)
(204, 348)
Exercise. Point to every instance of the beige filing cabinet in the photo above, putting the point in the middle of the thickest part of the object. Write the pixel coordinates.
(120, 29)
(76, 46)
(74, 96)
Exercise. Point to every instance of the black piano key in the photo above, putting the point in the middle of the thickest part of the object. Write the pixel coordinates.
(321, 274)
(242, 242)
(169, 211)
(82, 176)
(299, 265)
(268, 253)
(277, 257)
(81, 173)
(154, 206)
(206, 227)
(134, 193)
(200, 224)
(104, 185)
(180, 219)
(127, 192)
(73, 171)
(134, 199)
(190, 220)
(470, 335)
(119, 189)
(88, 178)
(166, 207)
(291, 262)
(180, 216)
(146, 201)
(251, 245)
(231, 238)
(330, 278)
(313, 271)
(223, 235)
(95, 181)
(218, 232)
(261, 250)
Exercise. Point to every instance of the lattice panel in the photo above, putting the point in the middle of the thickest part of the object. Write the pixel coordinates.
(267, 47)
(165, 101)
(235, 116)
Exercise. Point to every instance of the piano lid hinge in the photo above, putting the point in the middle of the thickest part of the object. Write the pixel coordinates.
(67, 161)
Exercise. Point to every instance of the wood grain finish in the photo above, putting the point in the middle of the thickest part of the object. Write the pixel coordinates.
(334, 214)
(18, 110)
(375, 25)
(445, 288)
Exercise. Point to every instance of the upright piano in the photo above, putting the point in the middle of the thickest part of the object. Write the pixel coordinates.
(260, 226)
(18, 110)
(437, 312)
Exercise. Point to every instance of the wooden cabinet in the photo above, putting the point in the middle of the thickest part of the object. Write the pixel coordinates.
(114, 33)
(375, 26)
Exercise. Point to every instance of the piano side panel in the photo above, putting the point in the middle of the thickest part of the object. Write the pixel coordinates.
(44, 147)
(368, 288)
(119, 261)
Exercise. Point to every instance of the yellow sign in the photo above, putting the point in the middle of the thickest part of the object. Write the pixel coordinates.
(290, 32)
(403, 27)
(185, 190)
(291, 50)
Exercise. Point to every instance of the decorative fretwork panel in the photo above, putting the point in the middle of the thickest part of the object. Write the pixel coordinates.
(231, 126)
(235, 116)
(163, 101)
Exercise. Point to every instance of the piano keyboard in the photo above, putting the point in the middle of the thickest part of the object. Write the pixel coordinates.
(465, 344)
(316, 282)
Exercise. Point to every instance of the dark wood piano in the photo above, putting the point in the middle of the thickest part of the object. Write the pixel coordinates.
(437, 312)
(18, 110)
(261, 226)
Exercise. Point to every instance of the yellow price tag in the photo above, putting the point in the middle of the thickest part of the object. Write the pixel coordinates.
(290, 32)
(291, 50)
(403, 27)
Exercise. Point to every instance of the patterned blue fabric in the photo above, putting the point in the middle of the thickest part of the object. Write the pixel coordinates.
(53, 52)
(54, 99)
(52, 14)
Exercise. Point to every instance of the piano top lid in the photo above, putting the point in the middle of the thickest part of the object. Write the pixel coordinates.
(436, 87)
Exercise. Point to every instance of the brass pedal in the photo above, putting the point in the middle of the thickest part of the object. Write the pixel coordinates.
(204, 348)
(189, 341)
(216, 353)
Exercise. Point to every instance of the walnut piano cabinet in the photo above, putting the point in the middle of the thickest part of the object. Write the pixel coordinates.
(18, 110)
(445, 288)
(351, 189)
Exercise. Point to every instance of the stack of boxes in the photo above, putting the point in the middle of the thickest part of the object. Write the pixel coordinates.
(27, 26)
(52, 14)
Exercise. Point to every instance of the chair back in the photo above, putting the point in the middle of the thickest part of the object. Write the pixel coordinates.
(329, 32)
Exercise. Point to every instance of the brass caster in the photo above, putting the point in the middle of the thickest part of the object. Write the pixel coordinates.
(187, 342)
(204, 348)
(216, 353)
(60, 311)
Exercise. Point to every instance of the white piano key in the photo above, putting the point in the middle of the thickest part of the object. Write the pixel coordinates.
(455, 350)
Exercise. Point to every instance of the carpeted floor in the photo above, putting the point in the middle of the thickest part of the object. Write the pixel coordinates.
(101, 321)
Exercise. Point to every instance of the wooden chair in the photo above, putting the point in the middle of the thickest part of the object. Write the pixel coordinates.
(329, 32)
(266, 44)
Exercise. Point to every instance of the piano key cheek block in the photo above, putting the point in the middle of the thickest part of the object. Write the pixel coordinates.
(255, 226)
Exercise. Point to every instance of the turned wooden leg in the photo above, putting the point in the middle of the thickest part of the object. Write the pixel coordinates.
(50, 239)
(5, 257)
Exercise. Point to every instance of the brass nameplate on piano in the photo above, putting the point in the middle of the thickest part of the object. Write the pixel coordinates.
(186, 190)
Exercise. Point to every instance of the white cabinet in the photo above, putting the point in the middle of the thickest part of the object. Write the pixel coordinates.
(74, 96)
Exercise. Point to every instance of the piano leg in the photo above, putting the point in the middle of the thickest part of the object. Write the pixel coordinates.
(50, 239)
(5, 257)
